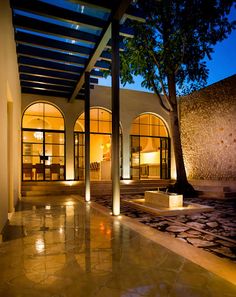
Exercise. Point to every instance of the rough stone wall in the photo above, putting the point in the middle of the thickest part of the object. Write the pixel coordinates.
(208, 131)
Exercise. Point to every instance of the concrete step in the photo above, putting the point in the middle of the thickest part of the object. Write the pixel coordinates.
(97, 187)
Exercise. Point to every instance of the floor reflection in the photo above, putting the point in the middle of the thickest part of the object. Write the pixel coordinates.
(71, 249)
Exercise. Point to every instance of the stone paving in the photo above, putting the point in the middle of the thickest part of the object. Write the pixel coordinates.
(214, 231)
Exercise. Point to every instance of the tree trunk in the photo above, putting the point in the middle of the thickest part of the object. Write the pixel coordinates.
(182, 186)
(176, 142)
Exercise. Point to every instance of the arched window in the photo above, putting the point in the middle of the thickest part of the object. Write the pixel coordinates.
(43, 143)
(100, 145)
(150, 148)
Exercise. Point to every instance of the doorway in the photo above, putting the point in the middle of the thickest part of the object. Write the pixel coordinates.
(150, 148)
(43, 143)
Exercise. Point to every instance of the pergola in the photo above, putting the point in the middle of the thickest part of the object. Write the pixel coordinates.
(62, 46)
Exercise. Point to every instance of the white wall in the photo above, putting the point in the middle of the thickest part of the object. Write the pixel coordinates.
(132, 104)
(10, 114)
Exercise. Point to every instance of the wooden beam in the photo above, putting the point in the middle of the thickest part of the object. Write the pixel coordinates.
(48, 65)
(28, 84)
(46, 80)
(116, 13)
(34, 52)
(48, 73)
(53, 29)
(48, 43)
(43, 92)
(58, 13)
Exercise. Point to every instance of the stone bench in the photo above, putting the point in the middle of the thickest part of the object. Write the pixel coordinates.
(164, 199)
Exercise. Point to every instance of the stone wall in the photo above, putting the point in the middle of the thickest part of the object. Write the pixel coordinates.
(208, 131)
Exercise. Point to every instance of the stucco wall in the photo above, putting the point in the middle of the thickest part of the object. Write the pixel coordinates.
(10, 114)
(208, 131)
(132, 104)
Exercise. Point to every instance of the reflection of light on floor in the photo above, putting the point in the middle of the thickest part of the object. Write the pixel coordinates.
(39, 245)
(69, 209)
(48, 207)
(139, 291)
(61, 230)
(69, 183)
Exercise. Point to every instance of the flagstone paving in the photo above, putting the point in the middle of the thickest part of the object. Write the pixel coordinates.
(214, 231)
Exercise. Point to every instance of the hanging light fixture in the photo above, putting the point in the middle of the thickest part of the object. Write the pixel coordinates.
(38, 135)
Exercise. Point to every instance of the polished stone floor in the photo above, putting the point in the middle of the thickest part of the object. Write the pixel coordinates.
(62, 247)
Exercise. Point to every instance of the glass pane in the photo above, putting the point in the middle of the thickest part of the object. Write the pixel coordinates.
(104, 115)
(81, 138)
(54, 138)
(154, 120)
(135, 129)
(81, 162)
(105, 127)
(144, 130)
(54, 150)
(35, 109)
(155, 131)
(54, 123)
(43, 116)
(57, 160)
(144, 119)
(32, 121)
(32, 149)
(33, 136)
(81, 117)
(79, 125)
(51, 111)
(94, 114)
(163, 131)
(81, 150)
(94, 126)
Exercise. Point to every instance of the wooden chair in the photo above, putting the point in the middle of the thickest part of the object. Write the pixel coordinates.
(28, 171)
(55, 169)
(39, 170)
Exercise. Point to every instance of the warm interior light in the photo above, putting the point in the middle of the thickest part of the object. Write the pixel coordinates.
(149, 148)
(127, 182)
(39, 245)
(38, 135)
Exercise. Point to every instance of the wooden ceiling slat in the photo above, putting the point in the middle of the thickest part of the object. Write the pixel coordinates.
(33, 62)
(44, 92)
(48, 73)
(49, 28)
(49, 55)
(58, 13)
(46, 80)
(32, 39)
(28, 84)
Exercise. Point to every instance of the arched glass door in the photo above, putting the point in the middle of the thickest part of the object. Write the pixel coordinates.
(100, 145)
(43, 143)
(150, 148)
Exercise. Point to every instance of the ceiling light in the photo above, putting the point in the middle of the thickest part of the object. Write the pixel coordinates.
(38, 135)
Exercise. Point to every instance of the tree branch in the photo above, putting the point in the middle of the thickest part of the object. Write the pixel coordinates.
(159, 96)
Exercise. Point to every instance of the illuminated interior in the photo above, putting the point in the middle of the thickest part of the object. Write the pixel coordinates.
(150, 148)
(100, 145)
(43, 143)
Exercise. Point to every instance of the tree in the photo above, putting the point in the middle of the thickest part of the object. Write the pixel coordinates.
(168, 51)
